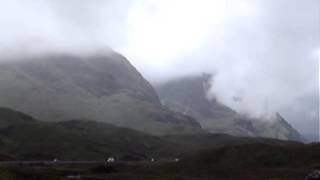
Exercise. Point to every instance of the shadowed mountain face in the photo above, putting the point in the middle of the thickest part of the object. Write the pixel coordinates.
(189, 96)
(103, 87)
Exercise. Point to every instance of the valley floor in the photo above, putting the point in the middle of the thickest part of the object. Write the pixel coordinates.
(139, 171)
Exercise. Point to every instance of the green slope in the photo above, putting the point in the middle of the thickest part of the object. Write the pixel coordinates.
(203, 156)
(26, 138)
(199, 142)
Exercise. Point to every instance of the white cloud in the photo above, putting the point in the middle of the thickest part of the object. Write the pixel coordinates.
(261, 50)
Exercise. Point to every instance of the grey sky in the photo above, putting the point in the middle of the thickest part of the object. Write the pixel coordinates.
(264, 51)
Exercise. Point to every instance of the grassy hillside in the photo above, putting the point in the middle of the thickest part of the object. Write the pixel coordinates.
(26, 138)
(203, 156)
(214, 141)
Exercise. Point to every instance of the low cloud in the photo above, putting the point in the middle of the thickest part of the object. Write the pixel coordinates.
(261, 51)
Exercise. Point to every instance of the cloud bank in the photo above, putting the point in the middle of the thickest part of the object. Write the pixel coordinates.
(265, 52)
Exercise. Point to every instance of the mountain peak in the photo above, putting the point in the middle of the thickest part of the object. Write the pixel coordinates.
(189, 95)
(102, 86)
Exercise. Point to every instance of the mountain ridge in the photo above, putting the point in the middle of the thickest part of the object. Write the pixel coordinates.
(188, 95)
(103, 87)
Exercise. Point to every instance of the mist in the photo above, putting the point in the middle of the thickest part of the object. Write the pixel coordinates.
(264, 52)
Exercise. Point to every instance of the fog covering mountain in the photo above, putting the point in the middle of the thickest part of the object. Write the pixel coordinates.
(269, 45)
(102, 86)
(189, 96)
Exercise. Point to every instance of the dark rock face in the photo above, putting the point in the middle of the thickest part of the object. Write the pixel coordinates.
(101, 86)
(189, 96)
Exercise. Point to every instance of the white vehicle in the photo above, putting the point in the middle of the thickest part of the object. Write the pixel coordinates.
(110, 160)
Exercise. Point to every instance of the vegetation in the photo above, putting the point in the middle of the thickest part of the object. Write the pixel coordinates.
(203, 156)
(27, 138)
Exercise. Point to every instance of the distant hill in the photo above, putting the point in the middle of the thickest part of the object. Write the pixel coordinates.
(100, 86)
(206, 141)
(189, 96)
(27, 138)
(23, 137)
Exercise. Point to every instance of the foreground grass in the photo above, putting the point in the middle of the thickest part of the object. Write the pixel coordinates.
(147, 171)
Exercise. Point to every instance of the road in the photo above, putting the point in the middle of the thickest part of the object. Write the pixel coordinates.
(61, 162)
(5, 163)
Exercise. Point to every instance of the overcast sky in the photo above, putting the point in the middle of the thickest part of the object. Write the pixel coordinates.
(264, 51)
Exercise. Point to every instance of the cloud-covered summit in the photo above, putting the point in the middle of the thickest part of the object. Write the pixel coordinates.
(263, 51)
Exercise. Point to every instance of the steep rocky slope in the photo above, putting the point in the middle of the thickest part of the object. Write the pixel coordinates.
(101, 86)
(189, 96)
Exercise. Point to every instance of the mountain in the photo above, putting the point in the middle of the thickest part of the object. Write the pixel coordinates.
(189, 96)
(27, 138)
(98, 86)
